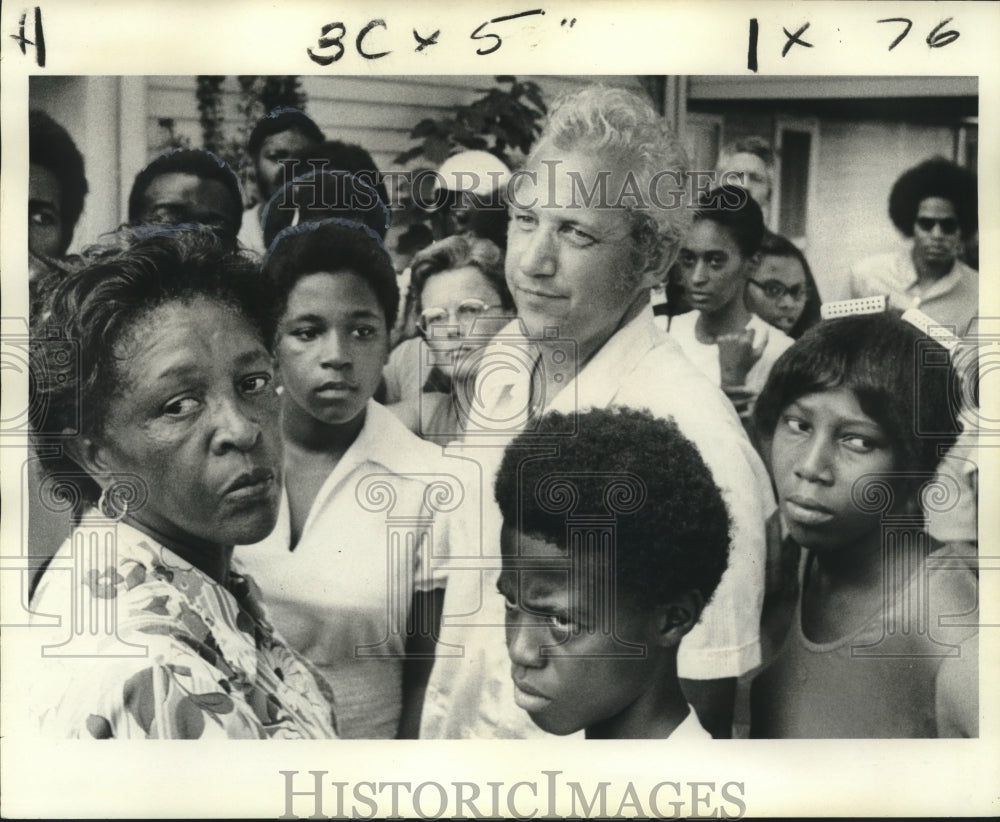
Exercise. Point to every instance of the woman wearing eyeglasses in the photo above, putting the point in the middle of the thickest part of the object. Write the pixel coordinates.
(783, 292)
(935, 204)
(461, 301)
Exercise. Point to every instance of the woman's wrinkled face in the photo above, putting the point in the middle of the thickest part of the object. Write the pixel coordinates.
(194, 418)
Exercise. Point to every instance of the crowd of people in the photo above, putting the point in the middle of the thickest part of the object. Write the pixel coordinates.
(467, 478)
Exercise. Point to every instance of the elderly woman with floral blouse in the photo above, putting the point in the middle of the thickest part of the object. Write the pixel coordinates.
(157, 387)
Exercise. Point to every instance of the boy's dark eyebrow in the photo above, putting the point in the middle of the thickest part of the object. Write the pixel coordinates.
(508, 585)
(541, 591)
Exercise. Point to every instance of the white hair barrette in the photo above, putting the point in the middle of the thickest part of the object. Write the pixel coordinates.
(879, 303)
(863, 305)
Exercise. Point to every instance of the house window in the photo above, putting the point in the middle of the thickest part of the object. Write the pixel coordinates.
(967, 143)
(795, 149)
(796, 141)
(702, 140)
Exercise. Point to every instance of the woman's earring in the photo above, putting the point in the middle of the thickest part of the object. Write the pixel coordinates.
(105, 507)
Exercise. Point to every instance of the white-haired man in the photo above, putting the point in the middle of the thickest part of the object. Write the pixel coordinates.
(596, 217)
(749, 162)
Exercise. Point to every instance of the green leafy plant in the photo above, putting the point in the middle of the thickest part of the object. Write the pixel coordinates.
(208, 92)
(503, 121)
(279, 90)
(172, 139)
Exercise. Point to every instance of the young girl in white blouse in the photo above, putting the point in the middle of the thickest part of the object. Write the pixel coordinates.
(351, 563)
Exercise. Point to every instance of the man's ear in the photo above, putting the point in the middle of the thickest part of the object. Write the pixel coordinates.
(656, 262)
(652, 254)
(751, 264)
(677, 616)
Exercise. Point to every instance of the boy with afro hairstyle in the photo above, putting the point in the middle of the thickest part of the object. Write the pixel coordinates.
(613, 542)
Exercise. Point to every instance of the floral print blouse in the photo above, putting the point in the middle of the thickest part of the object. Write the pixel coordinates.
(148, 646)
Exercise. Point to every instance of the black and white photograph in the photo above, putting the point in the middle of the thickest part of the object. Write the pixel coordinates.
(460, 399)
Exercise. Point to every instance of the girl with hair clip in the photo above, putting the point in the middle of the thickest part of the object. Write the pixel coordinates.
(881, 640)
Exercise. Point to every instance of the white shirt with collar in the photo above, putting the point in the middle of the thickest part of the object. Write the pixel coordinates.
(639, 367)
(251, 234)
(340, 589)
(951, 300)
(706, 355)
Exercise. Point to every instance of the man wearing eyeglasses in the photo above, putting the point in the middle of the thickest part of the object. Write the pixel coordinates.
(935, 204)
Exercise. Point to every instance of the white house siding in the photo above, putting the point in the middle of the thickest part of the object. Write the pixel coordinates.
(375, 112)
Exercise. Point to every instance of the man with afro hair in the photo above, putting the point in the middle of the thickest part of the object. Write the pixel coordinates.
(936, 205)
